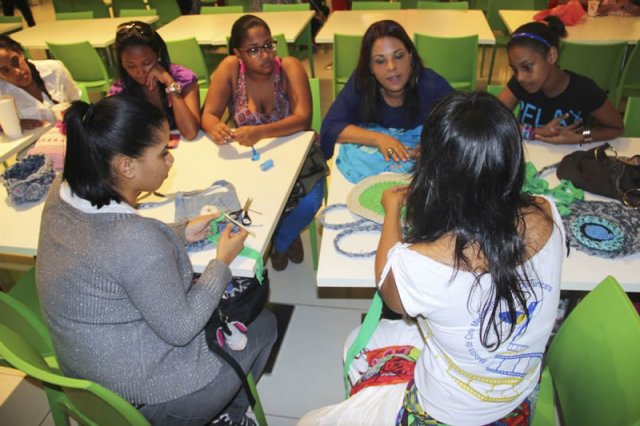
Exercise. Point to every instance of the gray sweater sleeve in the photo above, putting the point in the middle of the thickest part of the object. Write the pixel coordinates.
(173, 308)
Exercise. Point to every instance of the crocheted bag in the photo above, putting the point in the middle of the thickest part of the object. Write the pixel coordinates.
(28, 180)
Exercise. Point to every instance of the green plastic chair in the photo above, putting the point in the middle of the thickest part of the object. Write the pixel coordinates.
(629, 84)
(86, 402)
(10, 19)
(346, 51)
(499, 28)
(99, 9)
(187, 52)
(408, 4)
(374, 5)
(454, 58)
(118, 5)
(137, 12)
(605, 71)
(84, 93)
(632, 118)
(282, 49)
(67, 16)
(84, 64)
(18, 317)
(25, 291)
(168, 10)
(455, 5)
(495, 89)
(246, 4)
(316, 123)
(592, 363)
(214, 10)
(63, 6)
(303, 46)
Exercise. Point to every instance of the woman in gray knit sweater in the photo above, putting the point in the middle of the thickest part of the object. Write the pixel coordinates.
(116, 287)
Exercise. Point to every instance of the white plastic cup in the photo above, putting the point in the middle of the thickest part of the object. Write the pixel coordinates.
(9, 117)
(592, 7)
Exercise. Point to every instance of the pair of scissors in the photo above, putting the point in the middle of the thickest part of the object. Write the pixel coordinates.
(243, 215)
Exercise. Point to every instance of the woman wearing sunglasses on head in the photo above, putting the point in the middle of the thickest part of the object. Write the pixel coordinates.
(267, 96)
(146, 72)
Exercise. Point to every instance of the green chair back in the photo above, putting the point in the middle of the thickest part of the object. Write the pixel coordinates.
(282, 49)
(494, 6)
(605, 71)
(168, 10)
(454, 58)
(63, 6)
(346, 51)
(25, 291)
(84, 93)
(593, 361)
(316, 116)
(374, 5)
(99, 9)
(629, 84)
(408, 4)
(84, 64)
(455, 5)
(138, 12)
(85, 401)
(632, 117)
(214, 10)
(118, 5)
(19, 318)
(246, 4)
(303, 47)
(10, 19)
(187, 52)
(67, 16)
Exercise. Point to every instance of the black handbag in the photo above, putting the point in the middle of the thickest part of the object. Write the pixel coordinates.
(313, 169)
(597, 172)
(242, 300)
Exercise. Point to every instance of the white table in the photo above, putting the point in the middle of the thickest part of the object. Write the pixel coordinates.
(7, 27)
(599, 29)
(100, 33)
(214, 29)
(197, 164)
(9, 147)
(580, 271)
(441, 23)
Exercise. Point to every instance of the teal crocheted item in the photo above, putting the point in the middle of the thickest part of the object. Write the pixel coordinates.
(564, 193)
(245, 252)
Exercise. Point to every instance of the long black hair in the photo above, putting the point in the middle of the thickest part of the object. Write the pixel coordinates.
(98, 132)
(10, 44)
(240, 28)
(138, 33)
(467, 184)
(367, 85)
(539, 36)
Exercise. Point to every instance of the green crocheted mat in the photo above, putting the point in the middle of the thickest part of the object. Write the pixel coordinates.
(364, 199)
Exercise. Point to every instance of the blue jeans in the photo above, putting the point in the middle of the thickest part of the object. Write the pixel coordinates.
(293, 222)
(225, 393)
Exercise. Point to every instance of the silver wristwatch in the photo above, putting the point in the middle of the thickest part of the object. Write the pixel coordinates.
(174, 88)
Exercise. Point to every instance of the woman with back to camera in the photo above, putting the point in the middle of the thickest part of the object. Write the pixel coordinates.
(116, 287)
(556, 106)
(146, 71)
(267, 96)
(36, 86)
(389, 87)
(478, 268)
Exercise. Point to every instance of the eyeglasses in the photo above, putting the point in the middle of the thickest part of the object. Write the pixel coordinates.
(254, 51)
(130, 28)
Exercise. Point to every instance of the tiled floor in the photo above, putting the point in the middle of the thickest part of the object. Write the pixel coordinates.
(307, 372)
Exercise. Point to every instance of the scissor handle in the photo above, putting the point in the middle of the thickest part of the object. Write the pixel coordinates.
(246, 220)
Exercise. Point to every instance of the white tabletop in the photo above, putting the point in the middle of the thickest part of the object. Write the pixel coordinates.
(7, 27)
(214, 29)
(197, 165)
(599, 29)
(580, 271)
(441, 23)
(10, 147)
(100, 33)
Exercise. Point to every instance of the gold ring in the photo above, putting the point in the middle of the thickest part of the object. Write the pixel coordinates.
(390, 151)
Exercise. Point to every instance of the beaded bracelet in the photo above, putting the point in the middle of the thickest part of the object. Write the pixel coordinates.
(586, 136)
